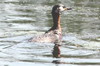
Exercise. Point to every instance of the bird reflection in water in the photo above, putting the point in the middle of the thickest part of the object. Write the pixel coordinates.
(56, 52)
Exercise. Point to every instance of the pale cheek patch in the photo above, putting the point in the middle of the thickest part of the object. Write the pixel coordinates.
(61, 8)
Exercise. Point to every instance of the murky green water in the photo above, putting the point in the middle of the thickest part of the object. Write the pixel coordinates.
(21, 19)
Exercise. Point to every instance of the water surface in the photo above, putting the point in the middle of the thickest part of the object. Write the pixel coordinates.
(22, 19)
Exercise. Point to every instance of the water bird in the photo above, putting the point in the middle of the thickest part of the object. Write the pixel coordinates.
(55, 32)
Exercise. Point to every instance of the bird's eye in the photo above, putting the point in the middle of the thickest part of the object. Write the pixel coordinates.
(64, 7)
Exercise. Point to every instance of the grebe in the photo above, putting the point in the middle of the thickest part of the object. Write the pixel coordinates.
(55, 33)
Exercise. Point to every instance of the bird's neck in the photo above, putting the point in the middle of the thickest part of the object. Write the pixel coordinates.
(56, 21)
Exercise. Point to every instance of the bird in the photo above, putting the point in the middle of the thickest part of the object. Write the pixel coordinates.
(54, 34)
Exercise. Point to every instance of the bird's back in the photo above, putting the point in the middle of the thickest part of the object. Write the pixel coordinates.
(51, 36)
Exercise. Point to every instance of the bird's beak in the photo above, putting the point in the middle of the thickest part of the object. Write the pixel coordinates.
(68, 8)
